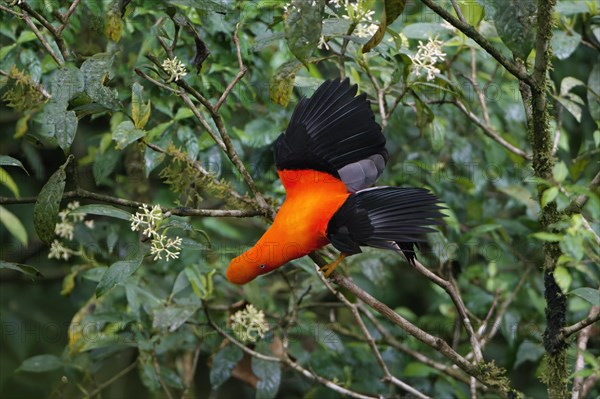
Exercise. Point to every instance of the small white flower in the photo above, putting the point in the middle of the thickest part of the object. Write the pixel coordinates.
(170, 247)
(175, 68)
(64, 229)
(148, 220)
(363, 30)
(58, 251)
(249, 324)
(89, 224)
(323, 43)
(427, 56)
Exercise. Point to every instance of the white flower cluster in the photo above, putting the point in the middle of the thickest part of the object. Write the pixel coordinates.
(65, 228)
(359, 14)
(427, 56)
(175, 68)
(249, 324)
(148, 222)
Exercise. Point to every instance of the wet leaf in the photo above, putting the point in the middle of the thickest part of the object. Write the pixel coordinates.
(140, 111)
(126, 133)
(45, 213)
(116, 273)
(41, 364)
(269, 374)
(303, 25)
(223, 363)
(592, 295)
(25, 269)
(282, 82)
(515, 24)
(13, 225)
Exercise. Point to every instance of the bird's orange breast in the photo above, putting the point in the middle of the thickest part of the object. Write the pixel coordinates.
(300, 226)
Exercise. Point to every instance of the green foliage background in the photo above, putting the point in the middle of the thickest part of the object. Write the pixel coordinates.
(109, 306)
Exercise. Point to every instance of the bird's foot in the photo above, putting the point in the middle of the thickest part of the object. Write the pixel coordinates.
(328, 269)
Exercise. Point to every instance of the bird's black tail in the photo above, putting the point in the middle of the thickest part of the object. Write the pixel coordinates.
(385, 217)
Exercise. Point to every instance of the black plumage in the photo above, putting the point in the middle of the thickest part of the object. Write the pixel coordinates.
(393, 218)
(334, 131)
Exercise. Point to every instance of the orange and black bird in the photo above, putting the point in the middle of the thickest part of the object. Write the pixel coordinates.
(328, 159)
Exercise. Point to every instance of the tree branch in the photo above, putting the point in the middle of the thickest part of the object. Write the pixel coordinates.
(370, 341)
(490, 132)
(471, 32)
(179, 211)
(287, 361)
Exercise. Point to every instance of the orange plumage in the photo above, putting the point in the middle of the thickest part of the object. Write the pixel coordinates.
(300, 227)
(328, 158)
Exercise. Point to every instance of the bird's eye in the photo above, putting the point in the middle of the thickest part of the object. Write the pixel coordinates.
(262, 266)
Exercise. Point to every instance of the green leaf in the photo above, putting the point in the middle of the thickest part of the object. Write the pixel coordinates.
(102, 210)
(126, 133)
(45, 212)
(392, 10)
(303, 25)
(140, 112)
(25, 269)
(13, 225)
(567, 84)
(60, 124)
(96, 70)
(549, 195)
(173, 316)
(514, 21)
(223, 363)
(472, 11)
(593, 93)
(528, 351)
(66, 83)
(571, 106)
(5, 160)
(269, 374)
(282, 82)
(41, 364)
(560, 172)
(8, 181)
(551, 237)
(563, 278)
(592, 295)
(423, 30)
(564, 44)
(116, 273)
(201, 284)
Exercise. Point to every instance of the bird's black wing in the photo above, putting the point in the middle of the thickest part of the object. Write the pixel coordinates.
(384, 217)
(334, 131)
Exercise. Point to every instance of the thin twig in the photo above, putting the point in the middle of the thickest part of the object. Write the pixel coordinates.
(111, 380)
(582, 341)
(452, 291)
(458, 11)
(239, 75)
(42, 39)
(13, 12)
(490, 132)
(179, 211)
(472, 33)
(65, 17)
(158, 374)
(567, 331)
(287, 361)
(370, 341)
(435, 342)
(60, 42)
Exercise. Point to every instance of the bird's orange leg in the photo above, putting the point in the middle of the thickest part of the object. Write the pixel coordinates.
(328, 269)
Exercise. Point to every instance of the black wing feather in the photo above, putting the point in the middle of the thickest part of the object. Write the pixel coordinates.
(331, 130)
(384, 217)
